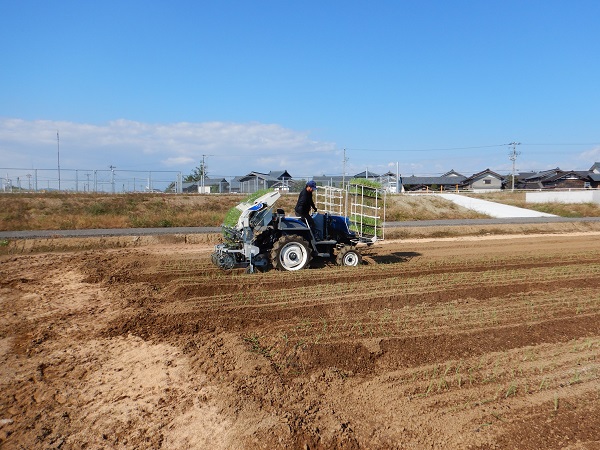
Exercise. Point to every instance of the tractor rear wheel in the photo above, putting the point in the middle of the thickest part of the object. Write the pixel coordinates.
(348, 256)
(290, 253)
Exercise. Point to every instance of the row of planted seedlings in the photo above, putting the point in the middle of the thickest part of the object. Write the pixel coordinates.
(519, 371)
(470, 314)
(330, 327)
(516, 372)
(499, 376)
(390, 290)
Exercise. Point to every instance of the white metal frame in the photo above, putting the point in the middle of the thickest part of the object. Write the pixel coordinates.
(366, 207)
(332, 200)
(365, 210)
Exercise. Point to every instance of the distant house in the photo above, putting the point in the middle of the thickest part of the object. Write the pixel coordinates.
(534, 180)
(255, 181)
(284, 180)
(213, 185)
(333, 180)
(567, 180)
(451, 180)
(367, 175)
(338, 180)
(484, 180)
(388, 182)
(453, 173)
(594, 175)
(560, 179)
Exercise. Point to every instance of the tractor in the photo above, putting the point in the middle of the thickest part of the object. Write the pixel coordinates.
(264, 239)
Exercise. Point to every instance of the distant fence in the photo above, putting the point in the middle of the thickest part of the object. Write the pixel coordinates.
(93, 180)
(120, 181)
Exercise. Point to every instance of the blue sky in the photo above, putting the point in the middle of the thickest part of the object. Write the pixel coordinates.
(269, 85)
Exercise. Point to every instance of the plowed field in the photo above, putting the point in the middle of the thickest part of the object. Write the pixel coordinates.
(489, 342)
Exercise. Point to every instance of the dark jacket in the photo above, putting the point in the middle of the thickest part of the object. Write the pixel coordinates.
(305, 203)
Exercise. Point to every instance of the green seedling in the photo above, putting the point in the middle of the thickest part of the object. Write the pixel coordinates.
(576, 378)
(512, 390)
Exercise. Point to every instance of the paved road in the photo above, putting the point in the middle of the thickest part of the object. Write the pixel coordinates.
(493, 209)
(32, 234)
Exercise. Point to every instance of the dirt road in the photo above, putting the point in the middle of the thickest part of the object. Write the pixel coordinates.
(481, 343)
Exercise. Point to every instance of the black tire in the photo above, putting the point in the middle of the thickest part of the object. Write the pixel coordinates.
(348, 256)
(290, 253)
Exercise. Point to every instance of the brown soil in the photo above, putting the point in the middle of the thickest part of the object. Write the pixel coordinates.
(487, 342)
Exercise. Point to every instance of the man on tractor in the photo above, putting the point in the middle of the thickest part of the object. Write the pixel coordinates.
(306, 203)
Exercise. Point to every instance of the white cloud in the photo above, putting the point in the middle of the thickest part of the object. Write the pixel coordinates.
(592, 155)
(178, 161)
(230, 148)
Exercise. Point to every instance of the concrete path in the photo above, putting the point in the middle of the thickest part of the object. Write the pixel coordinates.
(493, 209)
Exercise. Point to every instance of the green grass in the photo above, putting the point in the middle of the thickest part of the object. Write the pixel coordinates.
(55, 211)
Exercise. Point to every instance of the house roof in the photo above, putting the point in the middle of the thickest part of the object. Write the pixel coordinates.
(453, 173)
(279, 175)
(486, 172)
(366, 174)
(207, 182)
(541, 175)
(573, 174)
(444, 181)
(273, 175)
(253, 175)
(524, 175)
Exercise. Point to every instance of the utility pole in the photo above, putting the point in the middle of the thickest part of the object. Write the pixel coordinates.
(203, 172)
(344, 161)
(112, 177)
(202, 175)
(513, 157)
(58, 157)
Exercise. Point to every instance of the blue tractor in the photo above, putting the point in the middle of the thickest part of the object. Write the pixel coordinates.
(264, 239)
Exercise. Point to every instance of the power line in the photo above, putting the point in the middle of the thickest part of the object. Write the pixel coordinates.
(467, 148)
(589, 143)
(426, 150)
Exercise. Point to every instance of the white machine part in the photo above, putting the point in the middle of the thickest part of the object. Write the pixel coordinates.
(247, 209)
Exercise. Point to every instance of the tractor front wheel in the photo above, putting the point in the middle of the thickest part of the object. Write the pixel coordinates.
(290, 253)
(348, 256)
